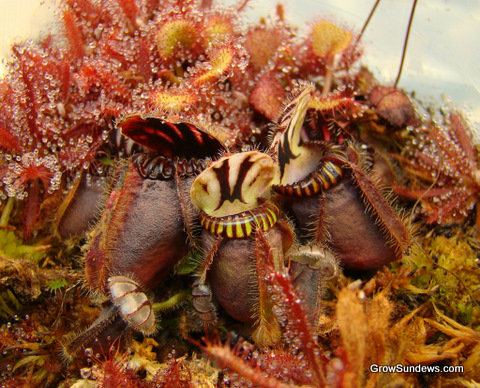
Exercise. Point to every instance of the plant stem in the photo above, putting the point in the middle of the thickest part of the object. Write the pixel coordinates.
(171, 302)
(405, 44)
(6, 211)
(328, 77)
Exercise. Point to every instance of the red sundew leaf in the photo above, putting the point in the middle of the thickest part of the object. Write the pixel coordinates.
(337, 105)
(112, 49)
(149, 6)
(456, 154)
(31, 173)
(88, 12)
(262, 44)
(447, 158)
(74, 36)
(64, 76)
(176, 375)
(5, 91)
(267, 96)
(218, 27)
(462, 134)
(47, 43)
(142, 58)
(298, 325)
(31, 210)
(114, 371)
(130, 9)
(421, 193)
(26, 72)
(72, 156)
(8, 142)
(81, 128)
(95, 75)
(349, 56)
(232, 358)
(449, 210)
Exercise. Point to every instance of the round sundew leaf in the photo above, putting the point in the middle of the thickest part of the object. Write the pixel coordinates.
(175, 36)
(329, 39)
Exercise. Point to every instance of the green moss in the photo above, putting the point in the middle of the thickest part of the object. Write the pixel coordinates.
(449, 269)
(11, 246)
(189, 263)
(56, 285)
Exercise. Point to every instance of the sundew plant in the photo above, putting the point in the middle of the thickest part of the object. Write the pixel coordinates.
(325, 222)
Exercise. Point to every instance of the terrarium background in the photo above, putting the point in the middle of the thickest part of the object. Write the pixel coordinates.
(443, 58)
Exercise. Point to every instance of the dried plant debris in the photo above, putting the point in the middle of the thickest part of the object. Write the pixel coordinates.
(190, 201)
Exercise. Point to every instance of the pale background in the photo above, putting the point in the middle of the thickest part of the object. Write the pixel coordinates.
(443, 58)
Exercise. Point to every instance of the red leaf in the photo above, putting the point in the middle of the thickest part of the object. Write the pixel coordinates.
(9, 142)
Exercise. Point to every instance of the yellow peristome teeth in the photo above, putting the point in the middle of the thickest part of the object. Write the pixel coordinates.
(232, 207)
(234, 183)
